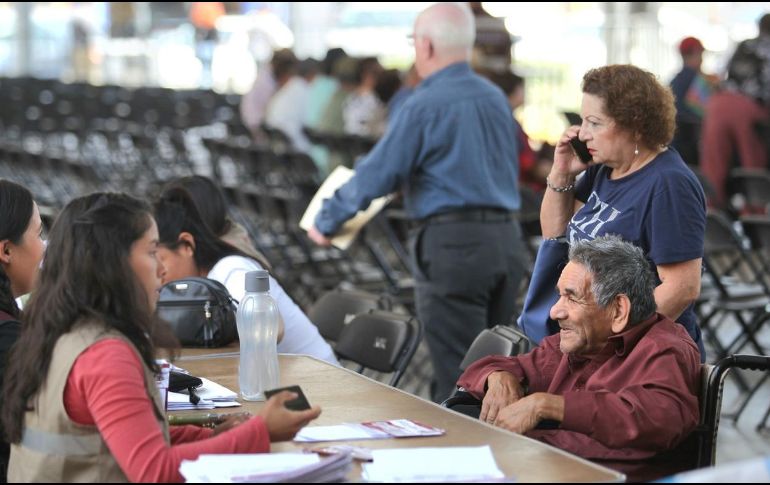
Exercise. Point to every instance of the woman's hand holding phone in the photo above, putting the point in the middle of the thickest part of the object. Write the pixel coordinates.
(581, 150)
(566, 163)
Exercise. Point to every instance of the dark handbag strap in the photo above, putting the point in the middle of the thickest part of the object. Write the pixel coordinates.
(179, 381)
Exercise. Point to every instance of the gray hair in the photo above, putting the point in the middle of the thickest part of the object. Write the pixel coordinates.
(618, 268)
(449, 25)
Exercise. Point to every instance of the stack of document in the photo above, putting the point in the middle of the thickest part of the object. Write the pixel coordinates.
(214, 392)
(211, 394)
(178, 401)
(267, 468)
(371, 430)
(466, 464)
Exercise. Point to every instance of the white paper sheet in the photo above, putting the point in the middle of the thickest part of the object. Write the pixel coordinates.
(179, 402)
(340, 432)
(215, 392)
(432, 465)
(348, 232)
(371, 430)
(226, 468)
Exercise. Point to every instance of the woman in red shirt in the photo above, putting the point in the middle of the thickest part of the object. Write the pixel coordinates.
(79, 400)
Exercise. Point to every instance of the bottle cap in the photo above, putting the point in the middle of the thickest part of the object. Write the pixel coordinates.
(257, 281)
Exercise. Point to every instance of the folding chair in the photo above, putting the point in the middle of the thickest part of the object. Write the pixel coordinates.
(708, 188)
(499, 340)
(757, 229)
(735, 286)
(336, 308)
(753, 186)
(381, 341)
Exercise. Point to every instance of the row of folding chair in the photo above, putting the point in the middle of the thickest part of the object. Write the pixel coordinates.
(734, 305)
(51, 105)
(363, 329)
(271, 187)
(748, 191)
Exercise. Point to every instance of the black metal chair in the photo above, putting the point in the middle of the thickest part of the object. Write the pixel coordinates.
(734, 285)
(753, 187)
(757, 229)
(336, 308)
(708, 188)
(381, 341)
(499, 340)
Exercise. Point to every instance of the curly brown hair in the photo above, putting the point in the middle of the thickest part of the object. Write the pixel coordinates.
(635, 100)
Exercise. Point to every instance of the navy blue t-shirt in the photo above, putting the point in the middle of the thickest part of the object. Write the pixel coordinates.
(661, 208)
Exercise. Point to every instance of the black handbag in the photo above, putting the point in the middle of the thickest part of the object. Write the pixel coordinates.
(200, 311)
(179, 382)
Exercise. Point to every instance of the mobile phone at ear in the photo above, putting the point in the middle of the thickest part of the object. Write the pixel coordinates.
(581, 150)
(300, 403)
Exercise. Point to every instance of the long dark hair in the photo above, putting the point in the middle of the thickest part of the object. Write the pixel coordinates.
(208, 199)
(86, 275)
(211, 204)
(176, 212)
(16, 207)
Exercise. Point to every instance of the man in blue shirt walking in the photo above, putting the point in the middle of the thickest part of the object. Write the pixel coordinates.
(451, 151)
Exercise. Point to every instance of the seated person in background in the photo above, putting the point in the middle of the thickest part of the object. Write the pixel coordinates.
(332, 120)
(21, 250)
(411, 80)
(80, 403)
(621, 379)
(364, 114)
(388, 84)
(254, 103)
(286, 109)
(322, 88)
(189, 247)
(533, 169)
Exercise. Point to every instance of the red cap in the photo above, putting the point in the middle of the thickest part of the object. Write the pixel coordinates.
(690, 45)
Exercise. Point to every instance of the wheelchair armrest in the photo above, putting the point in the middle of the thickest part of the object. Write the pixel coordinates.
(750, 362)
(460, 398)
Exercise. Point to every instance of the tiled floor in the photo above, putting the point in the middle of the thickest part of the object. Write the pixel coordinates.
(741, 441)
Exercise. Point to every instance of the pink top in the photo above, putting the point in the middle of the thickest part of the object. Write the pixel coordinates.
(103, 389)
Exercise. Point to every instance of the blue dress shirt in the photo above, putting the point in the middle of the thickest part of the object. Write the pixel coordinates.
(451, 146)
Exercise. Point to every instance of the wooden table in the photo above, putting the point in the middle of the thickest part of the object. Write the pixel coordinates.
(345, 396)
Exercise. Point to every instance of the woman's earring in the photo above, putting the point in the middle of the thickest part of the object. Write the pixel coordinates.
(636, 149)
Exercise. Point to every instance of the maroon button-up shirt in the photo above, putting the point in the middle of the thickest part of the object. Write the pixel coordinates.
(637, 398)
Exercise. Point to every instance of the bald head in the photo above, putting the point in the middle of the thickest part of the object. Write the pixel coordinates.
(450, 27)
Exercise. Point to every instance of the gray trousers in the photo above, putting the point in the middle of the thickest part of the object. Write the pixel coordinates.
(467, 275)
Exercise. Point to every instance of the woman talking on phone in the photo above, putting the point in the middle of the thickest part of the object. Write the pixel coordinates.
(635, 186)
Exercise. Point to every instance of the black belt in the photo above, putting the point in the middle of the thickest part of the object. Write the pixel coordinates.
(471, 215)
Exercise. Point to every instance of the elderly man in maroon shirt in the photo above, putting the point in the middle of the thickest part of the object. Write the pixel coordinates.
(621, 379)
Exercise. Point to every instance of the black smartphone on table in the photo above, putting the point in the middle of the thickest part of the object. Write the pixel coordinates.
(581, 150)
(300, 403)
